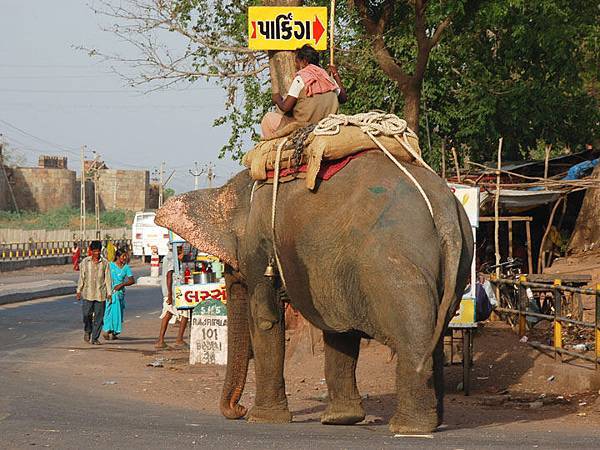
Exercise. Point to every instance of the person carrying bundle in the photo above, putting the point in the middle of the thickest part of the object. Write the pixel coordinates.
(312, 96)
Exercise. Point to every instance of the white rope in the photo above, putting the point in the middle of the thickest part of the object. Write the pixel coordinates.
(404, 170)
(273, 207)
(254, 187)
(375, 123)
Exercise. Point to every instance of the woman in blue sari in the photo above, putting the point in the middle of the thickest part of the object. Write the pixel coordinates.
(121, 276)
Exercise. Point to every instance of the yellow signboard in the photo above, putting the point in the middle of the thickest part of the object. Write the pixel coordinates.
(286, 28)
(465, 314)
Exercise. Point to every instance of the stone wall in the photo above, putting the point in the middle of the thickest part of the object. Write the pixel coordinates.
(43, 189)
(123, 189)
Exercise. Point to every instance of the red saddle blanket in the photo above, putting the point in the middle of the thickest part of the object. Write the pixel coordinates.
(327, 171)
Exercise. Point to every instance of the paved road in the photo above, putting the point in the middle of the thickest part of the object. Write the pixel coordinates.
(37, 273)
(35, 412)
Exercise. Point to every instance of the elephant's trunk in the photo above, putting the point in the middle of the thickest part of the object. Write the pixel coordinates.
(239, 349)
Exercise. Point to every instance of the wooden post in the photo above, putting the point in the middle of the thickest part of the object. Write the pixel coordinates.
(522, 306)
(510, 238)
(443, 150)
(597, 327)
(529, 255)
(557, 323)
(547, 150)
(331, 27)
(497, 209)
(541, 262)
(456, 165)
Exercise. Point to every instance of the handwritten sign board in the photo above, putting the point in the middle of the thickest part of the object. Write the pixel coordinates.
(469, 199)
(208, 340)
(286, 28)
(468, 196)
(187, 296)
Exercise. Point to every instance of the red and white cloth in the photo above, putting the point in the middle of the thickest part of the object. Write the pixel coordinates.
(316, 81)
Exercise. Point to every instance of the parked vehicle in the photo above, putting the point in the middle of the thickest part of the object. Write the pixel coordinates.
(145, 234)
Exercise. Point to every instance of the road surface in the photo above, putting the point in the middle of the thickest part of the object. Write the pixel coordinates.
(37, 412)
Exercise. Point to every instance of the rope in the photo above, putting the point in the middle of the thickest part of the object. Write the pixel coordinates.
(375, 123)
(404, 170)
(273, 207)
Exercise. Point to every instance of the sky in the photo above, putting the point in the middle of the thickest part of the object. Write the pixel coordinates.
(55, 98)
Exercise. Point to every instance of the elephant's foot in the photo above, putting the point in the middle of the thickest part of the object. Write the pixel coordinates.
(343, 413)
(403, 424)
(277, 414)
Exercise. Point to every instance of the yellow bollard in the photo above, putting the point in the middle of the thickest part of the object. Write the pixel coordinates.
(557, 322)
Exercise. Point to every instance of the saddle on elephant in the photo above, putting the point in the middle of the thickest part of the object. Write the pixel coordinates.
(300, 149)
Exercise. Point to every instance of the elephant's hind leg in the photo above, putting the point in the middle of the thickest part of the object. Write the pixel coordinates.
(341, 355)
(419, 405)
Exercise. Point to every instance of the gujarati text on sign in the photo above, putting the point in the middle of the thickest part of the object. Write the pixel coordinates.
(286, 28)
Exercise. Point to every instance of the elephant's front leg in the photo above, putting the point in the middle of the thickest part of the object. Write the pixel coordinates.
(341, 356)
(268, 342)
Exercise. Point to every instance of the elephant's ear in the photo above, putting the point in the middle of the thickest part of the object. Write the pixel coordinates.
(212, 220)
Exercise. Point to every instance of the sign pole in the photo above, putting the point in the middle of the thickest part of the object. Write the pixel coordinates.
(331, 26)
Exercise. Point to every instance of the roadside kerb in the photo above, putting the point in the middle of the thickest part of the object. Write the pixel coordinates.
(22, 292)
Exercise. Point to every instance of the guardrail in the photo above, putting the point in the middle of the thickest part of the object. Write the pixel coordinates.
(557, 318)
(12, 251)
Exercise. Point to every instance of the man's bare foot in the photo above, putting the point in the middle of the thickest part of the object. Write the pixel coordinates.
(160, 345)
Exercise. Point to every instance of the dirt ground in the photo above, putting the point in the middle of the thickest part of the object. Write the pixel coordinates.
(511, 381)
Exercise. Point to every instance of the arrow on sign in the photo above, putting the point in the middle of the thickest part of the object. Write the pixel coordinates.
(253, 30)
(317, 29)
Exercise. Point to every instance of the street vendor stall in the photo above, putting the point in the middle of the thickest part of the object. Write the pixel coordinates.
(199, 289)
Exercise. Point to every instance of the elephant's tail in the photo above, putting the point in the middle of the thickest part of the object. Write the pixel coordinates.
(457, 248)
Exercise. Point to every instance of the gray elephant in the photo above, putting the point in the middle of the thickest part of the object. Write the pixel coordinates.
(362, 257)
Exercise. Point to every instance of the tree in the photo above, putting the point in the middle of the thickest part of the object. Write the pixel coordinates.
(168, 193)
(468, 71)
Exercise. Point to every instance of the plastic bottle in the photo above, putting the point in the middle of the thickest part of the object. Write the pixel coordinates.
(187, 275)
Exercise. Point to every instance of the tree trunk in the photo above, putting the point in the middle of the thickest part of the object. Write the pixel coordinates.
(587, 228)
(281, 63)
(239, 349)
(412, 104)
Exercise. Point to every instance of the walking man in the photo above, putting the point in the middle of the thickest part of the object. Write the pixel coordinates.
(94, 288)
(169, 309)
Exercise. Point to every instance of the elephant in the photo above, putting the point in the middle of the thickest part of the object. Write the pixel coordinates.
(361, 256)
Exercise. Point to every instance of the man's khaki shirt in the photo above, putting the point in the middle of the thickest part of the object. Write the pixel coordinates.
(94, 280)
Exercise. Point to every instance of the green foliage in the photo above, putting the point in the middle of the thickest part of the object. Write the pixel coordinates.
(525, 71)
(62, 218)
(168, 193)
(117, 218)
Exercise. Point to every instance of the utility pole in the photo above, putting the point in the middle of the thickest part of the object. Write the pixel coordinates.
(82, 199)
(196, 174)
(96, 196)
(210, 174)
(161, 175)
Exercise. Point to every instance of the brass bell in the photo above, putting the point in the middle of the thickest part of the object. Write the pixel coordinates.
(270, 270)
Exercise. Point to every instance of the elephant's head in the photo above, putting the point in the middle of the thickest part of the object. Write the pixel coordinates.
(213, 221)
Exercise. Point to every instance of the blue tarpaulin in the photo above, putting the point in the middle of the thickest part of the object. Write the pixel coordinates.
(579, 170)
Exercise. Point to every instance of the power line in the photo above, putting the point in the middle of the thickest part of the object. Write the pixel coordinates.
(45, 66)
(100, 91)
(45, 141)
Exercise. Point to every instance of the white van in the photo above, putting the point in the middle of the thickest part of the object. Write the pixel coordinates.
(145, 233)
